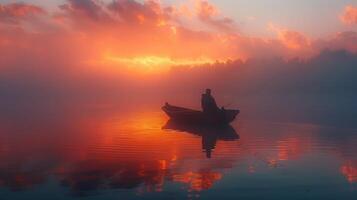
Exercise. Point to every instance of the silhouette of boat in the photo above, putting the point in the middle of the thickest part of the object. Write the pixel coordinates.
(222, 117)
(210, 135)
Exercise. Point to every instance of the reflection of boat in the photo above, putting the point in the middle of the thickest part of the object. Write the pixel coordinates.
(209, 134)
(198, 117)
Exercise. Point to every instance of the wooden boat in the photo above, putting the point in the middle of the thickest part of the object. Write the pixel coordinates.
(222, 117)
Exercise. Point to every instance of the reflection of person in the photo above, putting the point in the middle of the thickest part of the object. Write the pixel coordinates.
(208, 103)
(209, 143)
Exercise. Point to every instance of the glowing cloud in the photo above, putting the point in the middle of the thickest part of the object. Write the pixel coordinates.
(349, 15)
(291, 39)
(156, 61)
(207, 13)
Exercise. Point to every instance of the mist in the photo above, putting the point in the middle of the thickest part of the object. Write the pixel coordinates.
(317, 90)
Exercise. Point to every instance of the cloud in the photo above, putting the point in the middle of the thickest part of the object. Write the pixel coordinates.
(87, 8)
(349, 15)
(208, 14)
(142, 13)
(117, 12)
(15, 12)
(340, 41)
(291, 39)
(130, 29)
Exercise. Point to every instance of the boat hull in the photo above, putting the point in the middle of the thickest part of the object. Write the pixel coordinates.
(222, 117)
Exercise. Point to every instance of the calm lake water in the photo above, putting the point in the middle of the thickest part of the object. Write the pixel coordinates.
(142, 155)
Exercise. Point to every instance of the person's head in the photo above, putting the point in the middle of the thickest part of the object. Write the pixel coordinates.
(208, 91)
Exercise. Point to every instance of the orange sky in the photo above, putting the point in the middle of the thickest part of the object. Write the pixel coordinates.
(148, 36)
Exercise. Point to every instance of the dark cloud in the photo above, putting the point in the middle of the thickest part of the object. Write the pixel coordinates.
(15, 12)
(118, 12)
(87, 9)
(343, 40)
(135, 12)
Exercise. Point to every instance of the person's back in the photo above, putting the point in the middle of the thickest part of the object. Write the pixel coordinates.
(208, 103)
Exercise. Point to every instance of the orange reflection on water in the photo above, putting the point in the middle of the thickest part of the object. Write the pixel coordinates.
(133, 151)
(297, 141)
(289, 148)
(350, 172)
(134, 137)
(163, 164)
(198, 181)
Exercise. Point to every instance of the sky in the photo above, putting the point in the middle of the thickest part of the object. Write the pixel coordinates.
(213, 30)
(315, 18)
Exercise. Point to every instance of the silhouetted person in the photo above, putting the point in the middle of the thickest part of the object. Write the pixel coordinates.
(208, 103)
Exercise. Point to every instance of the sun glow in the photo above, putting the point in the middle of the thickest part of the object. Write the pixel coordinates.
(158, 62)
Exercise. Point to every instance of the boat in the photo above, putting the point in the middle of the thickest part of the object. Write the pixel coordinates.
(222, 117)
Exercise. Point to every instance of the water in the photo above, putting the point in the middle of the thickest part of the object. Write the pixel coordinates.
(128, 154)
